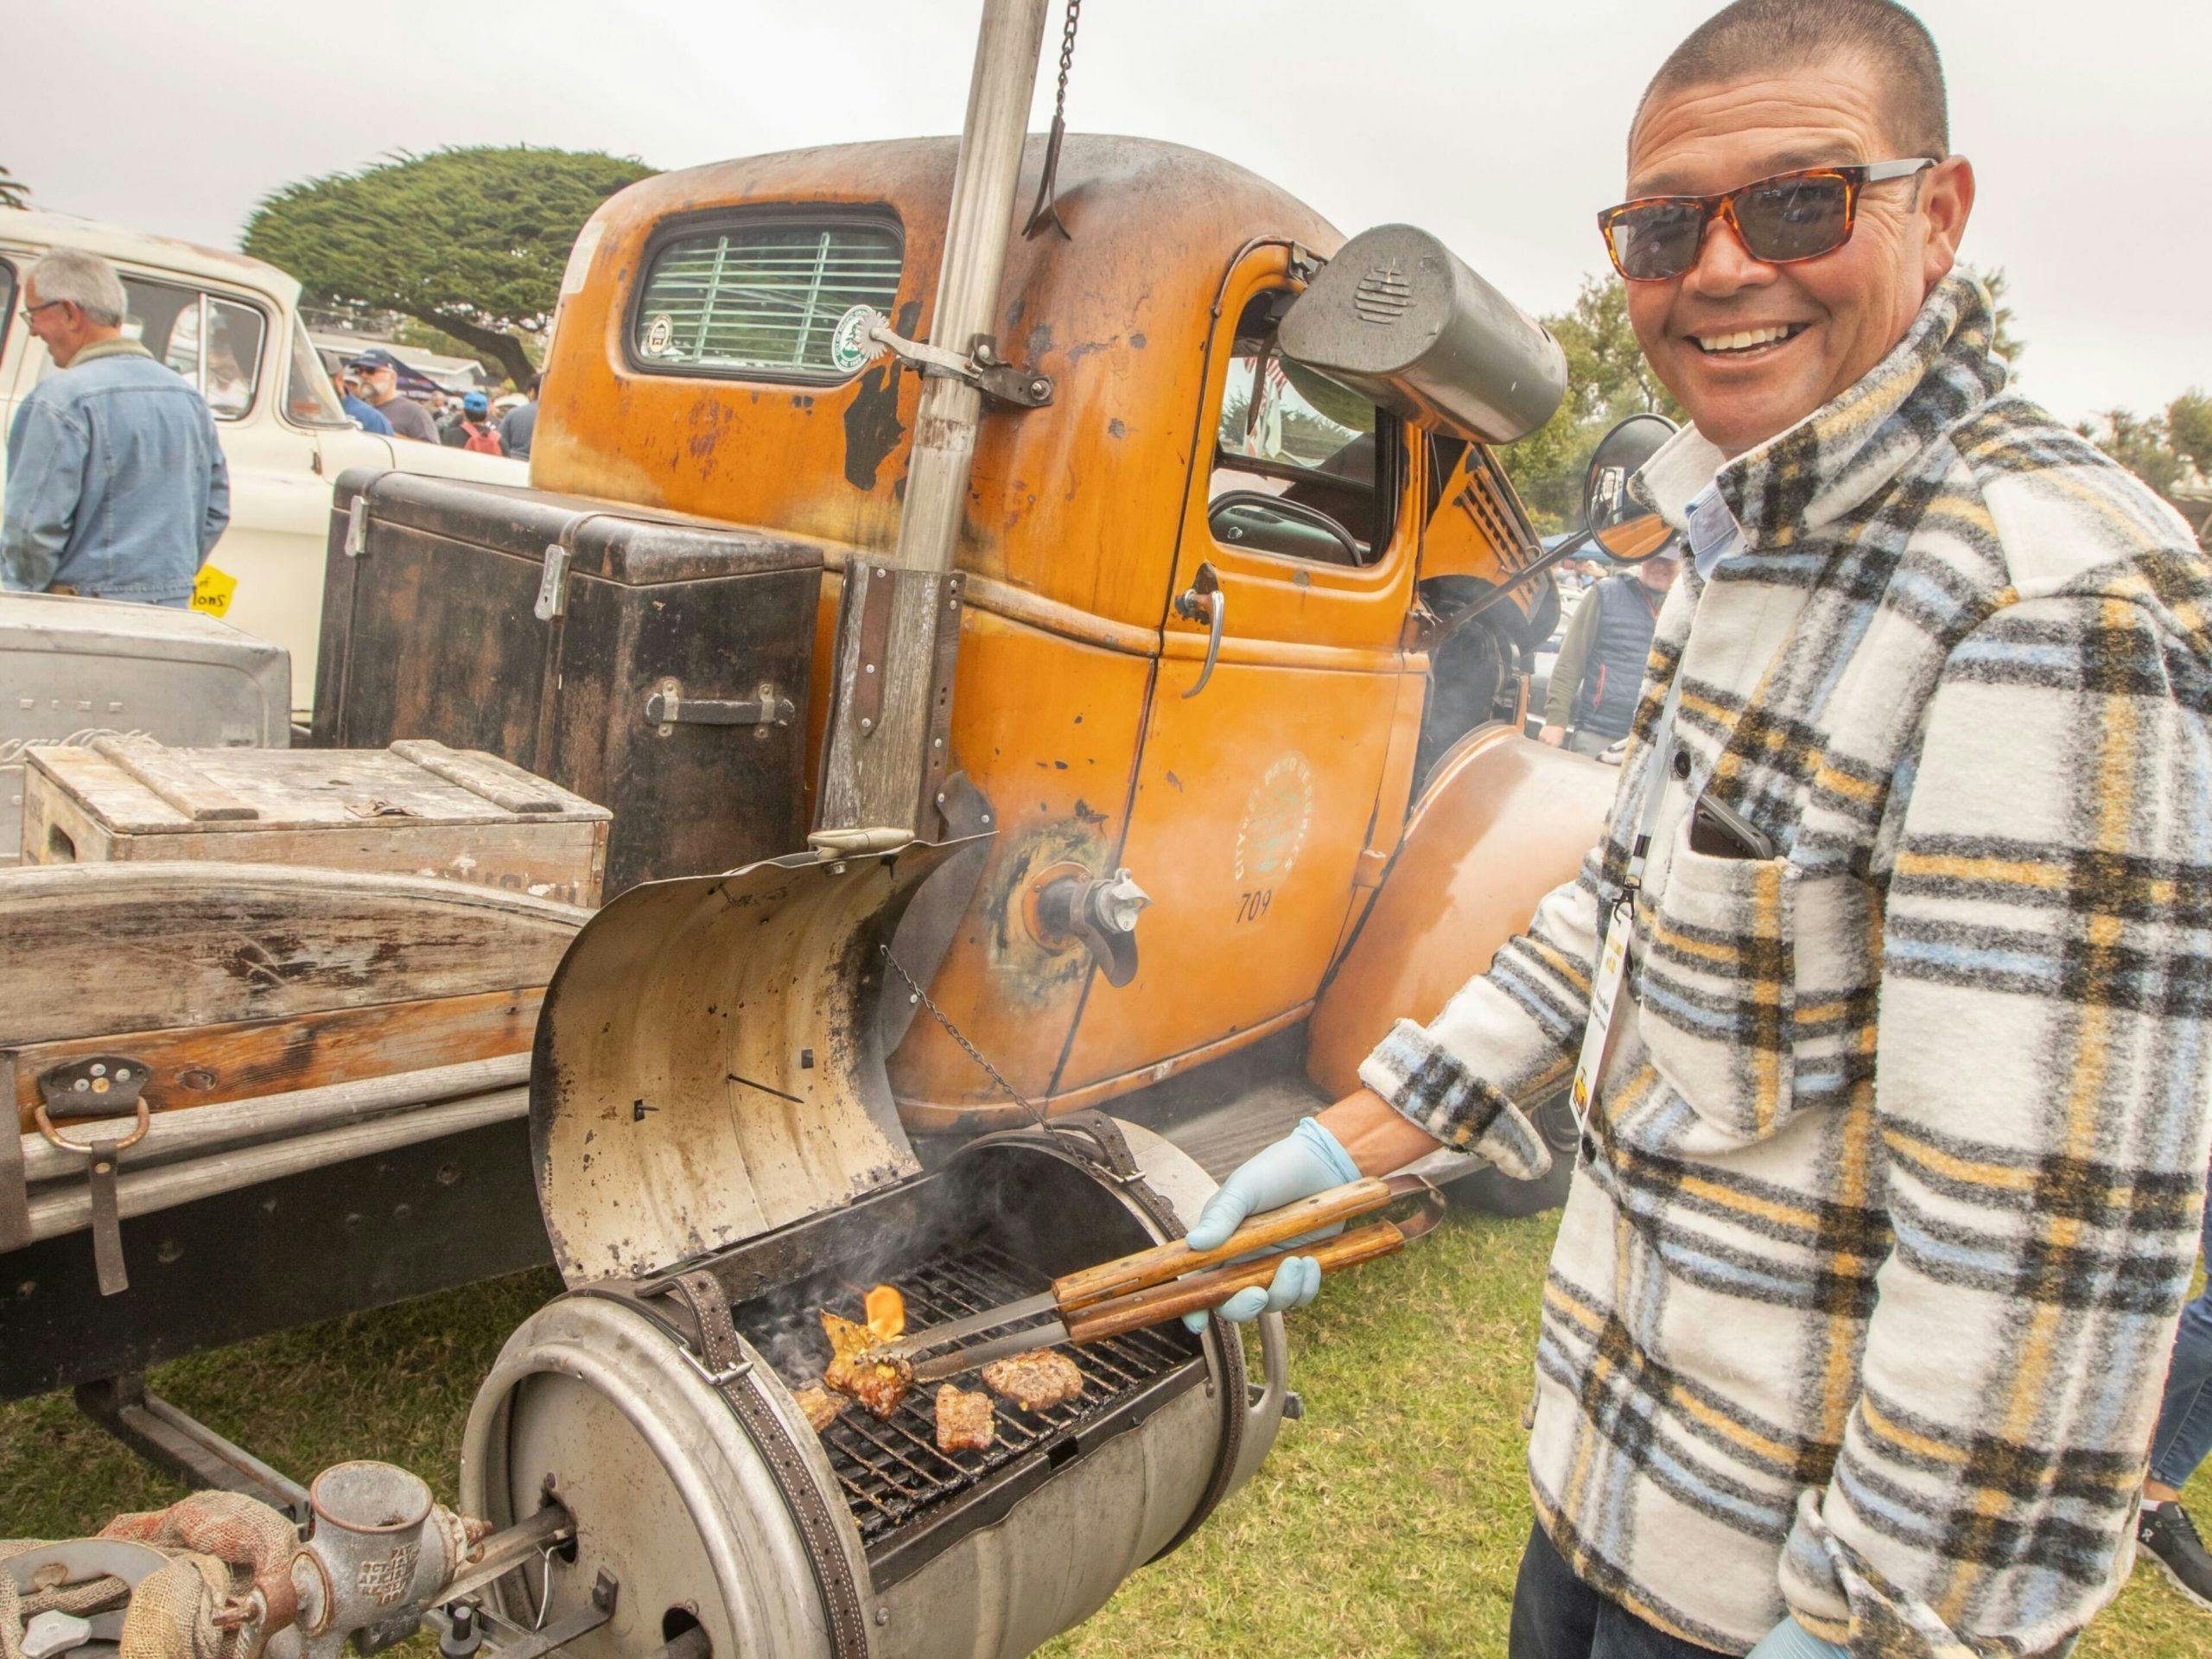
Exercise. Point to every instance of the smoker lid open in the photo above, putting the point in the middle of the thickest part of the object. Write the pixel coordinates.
(706, 1068)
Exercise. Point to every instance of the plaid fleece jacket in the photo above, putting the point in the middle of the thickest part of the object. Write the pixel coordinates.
(1863, 1296)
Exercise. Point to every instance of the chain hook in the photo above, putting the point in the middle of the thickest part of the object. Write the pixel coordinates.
(1047, 210)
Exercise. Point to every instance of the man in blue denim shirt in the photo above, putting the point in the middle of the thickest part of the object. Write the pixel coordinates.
(117, 488)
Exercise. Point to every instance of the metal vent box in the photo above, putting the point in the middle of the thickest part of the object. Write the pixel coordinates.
(415, 809)
(71, 667)
(655, 663)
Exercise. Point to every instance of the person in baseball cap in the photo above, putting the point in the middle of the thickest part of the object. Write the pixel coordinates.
(379, 372)
(473, 430)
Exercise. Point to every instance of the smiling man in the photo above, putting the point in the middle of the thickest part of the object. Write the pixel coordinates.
(1894, 1137)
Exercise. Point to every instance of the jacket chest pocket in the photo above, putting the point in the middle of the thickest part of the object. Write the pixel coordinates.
(1757, 989)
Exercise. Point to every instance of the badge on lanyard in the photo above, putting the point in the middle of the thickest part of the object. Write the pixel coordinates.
(1620, 922)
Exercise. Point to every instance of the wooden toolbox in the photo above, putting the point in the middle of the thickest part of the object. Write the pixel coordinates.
(417, 808)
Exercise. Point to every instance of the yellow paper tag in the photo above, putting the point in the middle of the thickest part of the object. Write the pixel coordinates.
(211, 592)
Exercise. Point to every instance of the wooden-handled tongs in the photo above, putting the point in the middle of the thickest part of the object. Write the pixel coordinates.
(1155, 1286)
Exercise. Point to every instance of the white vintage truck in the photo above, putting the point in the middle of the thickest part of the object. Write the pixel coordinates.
(231, 325)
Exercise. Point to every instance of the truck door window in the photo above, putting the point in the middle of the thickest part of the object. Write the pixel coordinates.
(214, 343)
(309, 398)
(1294, 456)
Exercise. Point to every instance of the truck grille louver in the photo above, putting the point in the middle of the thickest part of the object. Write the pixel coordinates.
(1382, 294)
(765, 298)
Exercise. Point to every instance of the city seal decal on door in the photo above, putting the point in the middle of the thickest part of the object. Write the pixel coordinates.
(1277, 814)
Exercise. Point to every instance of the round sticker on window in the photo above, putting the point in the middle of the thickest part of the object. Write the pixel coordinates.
(849, 345)
(658, 333)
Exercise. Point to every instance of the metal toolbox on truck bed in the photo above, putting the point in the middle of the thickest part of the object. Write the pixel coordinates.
(75, 668)
(656, 664)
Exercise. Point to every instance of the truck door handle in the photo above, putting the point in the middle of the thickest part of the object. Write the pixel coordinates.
(1203, 602)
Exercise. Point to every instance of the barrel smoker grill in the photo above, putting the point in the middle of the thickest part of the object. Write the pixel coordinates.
(867, 1539)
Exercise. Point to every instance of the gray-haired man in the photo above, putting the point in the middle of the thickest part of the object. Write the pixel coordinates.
(117, 488)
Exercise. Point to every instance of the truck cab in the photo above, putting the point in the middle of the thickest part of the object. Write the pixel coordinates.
(1207, 592)
(231, 325)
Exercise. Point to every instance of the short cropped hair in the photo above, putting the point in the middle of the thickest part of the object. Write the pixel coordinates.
(86, 280)
(1752, 35)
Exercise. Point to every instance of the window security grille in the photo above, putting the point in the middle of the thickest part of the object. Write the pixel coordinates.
(763, 298)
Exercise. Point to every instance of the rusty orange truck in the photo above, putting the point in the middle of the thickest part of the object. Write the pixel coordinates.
(1212, 634)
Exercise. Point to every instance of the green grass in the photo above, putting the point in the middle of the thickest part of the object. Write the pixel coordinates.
(1386, 1524)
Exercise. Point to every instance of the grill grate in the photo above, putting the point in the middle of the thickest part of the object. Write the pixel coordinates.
(891, 1472)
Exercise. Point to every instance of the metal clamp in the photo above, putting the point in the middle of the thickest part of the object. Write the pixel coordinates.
(983, 368)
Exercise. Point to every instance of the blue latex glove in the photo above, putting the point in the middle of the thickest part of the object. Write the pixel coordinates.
(1790, 1639)
(1308, 1160)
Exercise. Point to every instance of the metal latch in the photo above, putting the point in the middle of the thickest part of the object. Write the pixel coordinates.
(357, 527)
(983, 368)
(98, 1087)
(667, 707)
(553, 583)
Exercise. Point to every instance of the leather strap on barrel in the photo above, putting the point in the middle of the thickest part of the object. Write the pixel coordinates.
(725, 1357)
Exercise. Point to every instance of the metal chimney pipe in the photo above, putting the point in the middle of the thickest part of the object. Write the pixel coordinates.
(889, 718)
(976, 236)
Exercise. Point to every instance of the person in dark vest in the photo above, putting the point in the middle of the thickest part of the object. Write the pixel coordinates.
(1600, 667)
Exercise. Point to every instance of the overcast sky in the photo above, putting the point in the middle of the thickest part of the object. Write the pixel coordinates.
(1498, 126)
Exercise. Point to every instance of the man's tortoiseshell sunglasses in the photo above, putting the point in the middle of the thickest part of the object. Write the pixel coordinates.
(1796, 215)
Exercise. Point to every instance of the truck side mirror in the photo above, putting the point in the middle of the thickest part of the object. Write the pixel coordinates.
(1627, 529)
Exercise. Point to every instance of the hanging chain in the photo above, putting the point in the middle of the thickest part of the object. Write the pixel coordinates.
(1067, 58)
(938, 1014)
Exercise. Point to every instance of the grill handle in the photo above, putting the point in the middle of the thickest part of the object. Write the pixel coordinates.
(1171, 1261)
(1199, 1291)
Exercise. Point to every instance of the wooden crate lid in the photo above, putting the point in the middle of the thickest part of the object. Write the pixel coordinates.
(139, 788)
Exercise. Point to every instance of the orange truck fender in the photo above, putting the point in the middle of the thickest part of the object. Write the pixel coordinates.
(1504, 821)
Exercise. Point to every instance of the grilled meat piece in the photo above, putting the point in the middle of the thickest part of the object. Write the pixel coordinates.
(845, 1338)
(1041, 1377)
(819, 1406)
(877, 1383)
(964, 1420)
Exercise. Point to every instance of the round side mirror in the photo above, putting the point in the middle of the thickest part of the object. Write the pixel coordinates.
(1617, 522)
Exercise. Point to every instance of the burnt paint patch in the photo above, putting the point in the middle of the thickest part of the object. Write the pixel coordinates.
(872, 426)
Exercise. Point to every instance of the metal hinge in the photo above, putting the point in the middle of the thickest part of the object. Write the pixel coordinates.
(357, 527)
(983, 369)
(553, 584)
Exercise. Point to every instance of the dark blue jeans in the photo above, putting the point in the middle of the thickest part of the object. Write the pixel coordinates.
(1556, 1616)
(2184, 1431)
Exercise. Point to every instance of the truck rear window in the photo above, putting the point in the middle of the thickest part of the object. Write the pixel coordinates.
(764, 301)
